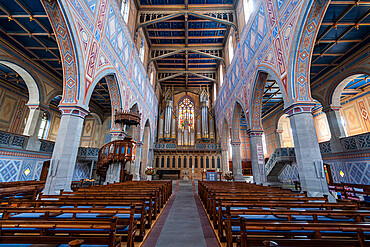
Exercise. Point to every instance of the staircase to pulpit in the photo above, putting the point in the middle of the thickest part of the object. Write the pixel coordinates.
(280, 158)
(113, 156)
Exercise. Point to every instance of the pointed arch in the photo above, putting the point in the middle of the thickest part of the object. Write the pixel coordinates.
(237, 114)
(256, 101)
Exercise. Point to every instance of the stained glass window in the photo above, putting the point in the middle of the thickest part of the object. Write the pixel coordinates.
(186, 114)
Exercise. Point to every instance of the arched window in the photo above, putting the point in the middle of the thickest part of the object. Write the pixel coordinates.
(221, 75)
(44, 121)
(231, 49)
(248, 8)
(125, 9)
(264, 146)
(151, 75)
(186, 114)
(141, 52)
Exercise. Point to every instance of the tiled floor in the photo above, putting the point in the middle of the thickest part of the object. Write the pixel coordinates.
(182, 223)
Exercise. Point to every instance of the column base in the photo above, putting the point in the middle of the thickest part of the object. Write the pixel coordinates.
(331, 198)
(239, 178)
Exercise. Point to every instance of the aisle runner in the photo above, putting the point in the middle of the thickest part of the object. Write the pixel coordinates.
(183, 221)
(208, 233)
(157, 229)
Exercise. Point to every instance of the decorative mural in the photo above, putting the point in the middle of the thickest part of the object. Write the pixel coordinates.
(103, 46)
(266, 44)
(19, 169)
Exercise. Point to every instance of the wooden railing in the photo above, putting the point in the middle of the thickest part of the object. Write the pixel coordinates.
(115, 151)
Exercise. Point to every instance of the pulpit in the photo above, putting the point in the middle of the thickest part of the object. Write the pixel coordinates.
(113, 156)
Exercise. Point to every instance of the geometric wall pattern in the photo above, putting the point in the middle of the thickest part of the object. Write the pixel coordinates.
(352, 172)
(82, 171)
(290, 173)
(23, 169)
(9, 170)
(15, 169)
(342, 172)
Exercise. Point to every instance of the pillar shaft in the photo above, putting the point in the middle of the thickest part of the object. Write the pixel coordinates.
(237, 162)
(32, 129)
(137, 161)
(64, 157)
(307, 151)
(257, 157)
(279, 138)
(224, 161)
(33, 122)
(113, 173)
(336, 129)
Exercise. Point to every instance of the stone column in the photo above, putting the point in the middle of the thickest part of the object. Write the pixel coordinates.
(145, 155)
(64, 157)
(257, 156)
(237, 162)
(136, 169)
(336, 128)
(307, 150)
(224, 160)
(32, 128)
(113, 173)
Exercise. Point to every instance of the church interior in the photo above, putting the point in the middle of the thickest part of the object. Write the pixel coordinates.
(184, 123)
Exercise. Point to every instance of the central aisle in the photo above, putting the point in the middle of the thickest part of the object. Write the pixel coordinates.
(183, 221)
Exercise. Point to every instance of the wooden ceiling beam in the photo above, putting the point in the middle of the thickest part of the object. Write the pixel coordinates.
(344, 24)
(24, 16)
(189, 37)
(193, 7)
(350, 2)
(182, 30)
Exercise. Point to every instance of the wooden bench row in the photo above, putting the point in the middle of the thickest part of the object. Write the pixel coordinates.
(107, 215)
(240, 211)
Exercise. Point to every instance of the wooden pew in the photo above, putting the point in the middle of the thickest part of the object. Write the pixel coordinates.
(26, 192)
(292, 233)
(263, 205)
(60, 232)
(97, 204)
(287, 215)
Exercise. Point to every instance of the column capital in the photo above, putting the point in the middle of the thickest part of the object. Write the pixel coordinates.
(331, 108)
(279, 131)
(139, 144)
(252, 133)
(74, 110)
(37, 106)
(118, 135)
(299, 108)
(235, 143)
